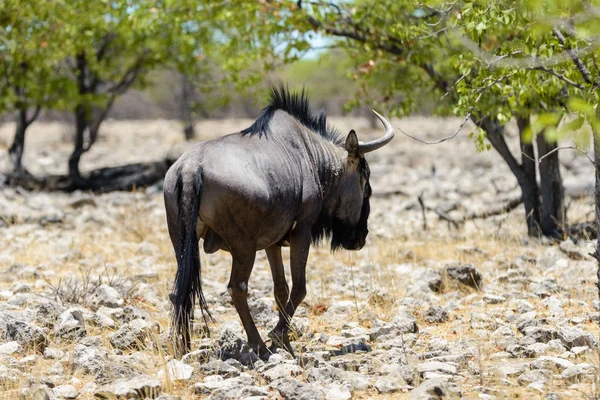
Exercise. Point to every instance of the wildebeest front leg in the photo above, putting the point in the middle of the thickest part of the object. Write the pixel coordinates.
(243, 262)
(299, 247)
(282, 293)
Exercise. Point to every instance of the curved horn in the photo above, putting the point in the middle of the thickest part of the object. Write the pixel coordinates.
(365, 147)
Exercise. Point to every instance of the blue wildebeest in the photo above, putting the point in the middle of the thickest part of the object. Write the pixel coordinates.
(289, 179)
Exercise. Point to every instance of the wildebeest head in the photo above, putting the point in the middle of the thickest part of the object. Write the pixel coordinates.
(349, 217)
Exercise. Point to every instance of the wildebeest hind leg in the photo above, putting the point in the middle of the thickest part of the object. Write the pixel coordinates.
(282, 294)
(243, 262)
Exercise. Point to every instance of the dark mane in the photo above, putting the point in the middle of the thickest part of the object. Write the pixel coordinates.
(297, 106)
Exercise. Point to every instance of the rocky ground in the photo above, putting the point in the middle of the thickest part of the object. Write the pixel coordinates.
(476, 309)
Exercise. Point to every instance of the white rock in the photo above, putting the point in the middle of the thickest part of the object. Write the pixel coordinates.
(65, 392)
(575, 372)
(551, 363)
(52, 353)
(105, 295)
(437, 366)
(338, 392)
(10, 347)
(176, 370)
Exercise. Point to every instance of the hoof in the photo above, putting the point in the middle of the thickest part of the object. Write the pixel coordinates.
(280, 340)
(249, 359)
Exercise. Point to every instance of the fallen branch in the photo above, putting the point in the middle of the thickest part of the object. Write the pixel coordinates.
(124, 177)
(504, 209)
(390, 193)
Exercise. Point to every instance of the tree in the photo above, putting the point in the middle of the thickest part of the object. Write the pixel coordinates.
(487, 61)
(112, 46)
(31, 52)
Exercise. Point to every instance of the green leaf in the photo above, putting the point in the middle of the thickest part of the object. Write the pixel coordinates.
(582, 106)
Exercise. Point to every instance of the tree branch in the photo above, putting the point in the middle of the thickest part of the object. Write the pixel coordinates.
(462, 124)
(585, 72)
(556, 74)
(33, 117)
(572, 147)
(129, 76)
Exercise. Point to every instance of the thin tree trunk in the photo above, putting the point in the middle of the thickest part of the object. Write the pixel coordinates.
(81, 124)
(531, 191)
(528, 186)
(553, 218)
(596, 254)
(18, 145)
(187, 113)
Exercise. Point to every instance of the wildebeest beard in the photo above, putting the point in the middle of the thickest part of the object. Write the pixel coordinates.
(343, 234)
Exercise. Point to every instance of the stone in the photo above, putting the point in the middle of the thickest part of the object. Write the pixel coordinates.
(436, 315)
(356, 380)
(574, 373)
(91, 360)
(219, 367)
(400, 325)
(70, 325)
(247, 392)
(325, 374)
(507, 370)
(26, 334)
(437, 366)
(432, 389)
(438, 344)
(571, 336)
(20, 287)
(572, 250)
(283, 370)
(65, 392)
(536, 350)
(493, 299)
(542, 334)
(482, 321)
(47, 313)
(340, 309)
(9, 375)
(292, 389)
(230, 343)
(131, 335)
(577, 350)
(467, 274)
(503, 337)
(390, 383)
(338, 392)
(230, 388)
(536, 375)
(140, 386)
(10, 348)
(107, 296)
(37, 392)
(551, 363)
(176, 370)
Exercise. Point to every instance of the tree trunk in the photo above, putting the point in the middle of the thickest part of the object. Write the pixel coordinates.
(81, 124)
(531, 191)
(553, 212)
(18, 145)
(187, 113)
(527, 182)
(596, 254)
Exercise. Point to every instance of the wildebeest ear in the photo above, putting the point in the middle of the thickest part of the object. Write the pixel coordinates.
(352, 144)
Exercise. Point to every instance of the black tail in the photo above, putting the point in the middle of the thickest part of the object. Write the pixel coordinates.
(187, 287)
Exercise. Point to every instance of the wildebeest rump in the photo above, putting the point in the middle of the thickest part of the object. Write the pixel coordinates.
(289, 179)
